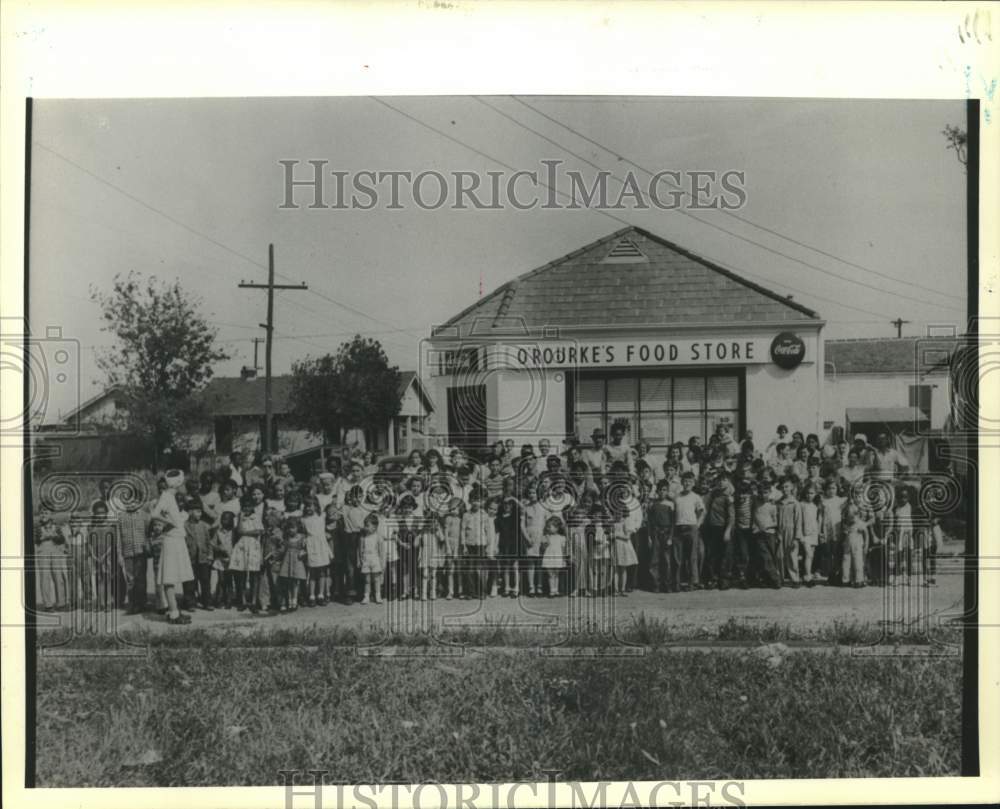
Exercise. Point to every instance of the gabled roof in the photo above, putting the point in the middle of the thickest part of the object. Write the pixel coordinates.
(629, 278)
(890, 355)
(76, 412)
(407, 378)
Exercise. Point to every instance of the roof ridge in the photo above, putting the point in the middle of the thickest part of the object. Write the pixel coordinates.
(788, 301)
(529, 273)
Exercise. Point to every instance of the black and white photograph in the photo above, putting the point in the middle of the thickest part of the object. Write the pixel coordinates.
(480, 439)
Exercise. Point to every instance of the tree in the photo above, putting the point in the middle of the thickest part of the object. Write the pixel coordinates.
(163, 357)
(957, 140)
(354, 388)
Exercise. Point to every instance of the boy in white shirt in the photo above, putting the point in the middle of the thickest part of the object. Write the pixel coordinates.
(689, 510)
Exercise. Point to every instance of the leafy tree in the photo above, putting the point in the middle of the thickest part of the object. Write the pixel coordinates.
(163, 356)
(354, 388)
(957, 140)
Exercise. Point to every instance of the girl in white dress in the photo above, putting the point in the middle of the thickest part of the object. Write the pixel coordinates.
(175, 564)
(554, 552)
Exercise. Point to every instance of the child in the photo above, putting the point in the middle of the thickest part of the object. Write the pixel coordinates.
(830, 514)
(491, 544)
(222, 551)
(371, 558)
(800, 466)
(743, 531)
(856, 535)
(689, 509)
(199, 545)
(765, 536)
(789, 529)
(533, 521)
(511, 544)
(229, 501)
(473, 540)
(293, 504)
(390, 550)
(353, 514)
(293, 563)
(452, 544)
(665, 557)
(578, 551)
(720, 518)
(81, 583)
(554, 552)
(272, 548)
(332, 526)
(429, 553)
(623, 553)
(246, 559)
(277, 498)
(809, 530)
(903, 531)
(407, 539)
(51, 554)
(317, 553)
(600, 550)
(633, 528)
(934, 541)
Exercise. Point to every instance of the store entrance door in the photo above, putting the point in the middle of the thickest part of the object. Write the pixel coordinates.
(467, 416)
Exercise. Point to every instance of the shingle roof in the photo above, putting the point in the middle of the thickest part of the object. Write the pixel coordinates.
(887, 355)
(667, 285)
(235, 396)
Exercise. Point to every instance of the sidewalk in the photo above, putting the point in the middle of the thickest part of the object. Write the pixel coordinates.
(802, 610)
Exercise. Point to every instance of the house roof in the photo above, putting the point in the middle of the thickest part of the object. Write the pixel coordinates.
(628, 278)
(78, 411)
(407, 378)
(234, 396)
(889, 355)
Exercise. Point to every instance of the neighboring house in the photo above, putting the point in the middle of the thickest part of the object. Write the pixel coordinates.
(236, 408)
(235, 419)
(906, 372)
(104, 410)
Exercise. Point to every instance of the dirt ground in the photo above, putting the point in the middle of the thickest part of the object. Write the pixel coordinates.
(802, 610)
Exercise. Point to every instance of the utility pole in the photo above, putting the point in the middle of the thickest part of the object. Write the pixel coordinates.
(898, 323)
(270, 286)
(256, 345)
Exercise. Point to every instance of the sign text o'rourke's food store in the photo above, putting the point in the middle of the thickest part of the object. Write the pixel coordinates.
(628, 353)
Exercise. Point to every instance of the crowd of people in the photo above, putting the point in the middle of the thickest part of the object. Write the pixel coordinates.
(538, 521)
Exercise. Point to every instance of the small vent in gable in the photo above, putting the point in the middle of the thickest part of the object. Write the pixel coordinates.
(625, 252)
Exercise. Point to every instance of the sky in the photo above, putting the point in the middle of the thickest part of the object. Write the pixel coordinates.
(855, 208)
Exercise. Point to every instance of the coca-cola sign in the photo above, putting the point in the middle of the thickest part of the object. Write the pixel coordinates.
(787, 350)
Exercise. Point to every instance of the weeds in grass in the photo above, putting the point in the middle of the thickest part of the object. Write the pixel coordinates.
(219, 716)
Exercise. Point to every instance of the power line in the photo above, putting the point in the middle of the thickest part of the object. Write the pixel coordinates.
(195, 232)
(709, 223)
(740, 272)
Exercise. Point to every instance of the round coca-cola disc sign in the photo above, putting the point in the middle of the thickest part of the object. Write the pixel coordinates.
(787, 350)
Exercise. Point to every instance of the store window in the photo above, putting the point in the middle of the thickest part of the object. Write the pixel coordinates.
(661, 408)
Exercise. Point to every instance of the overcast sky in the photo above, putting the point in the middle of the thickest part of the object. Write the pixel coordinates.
(198, 188)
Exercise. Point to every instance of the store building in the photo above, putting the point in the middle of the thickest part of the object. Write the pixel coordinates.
(630, 326)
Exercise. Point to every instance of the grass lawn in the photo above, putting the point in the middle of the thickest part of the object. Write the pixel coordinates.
(200, 710)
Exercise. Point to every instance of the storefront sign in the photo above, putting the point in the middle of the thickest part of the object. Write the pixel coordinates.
(787, 350)
(630, 353)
